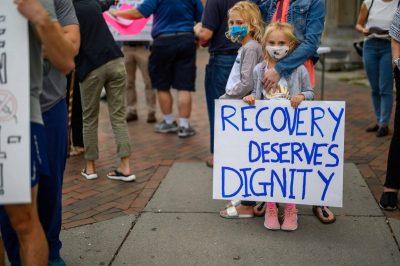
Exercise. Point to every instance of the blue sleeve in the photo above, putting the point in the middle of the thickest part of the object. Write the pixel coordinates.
(211, 17)
(199, 11)
(148, 7)
(312, 37)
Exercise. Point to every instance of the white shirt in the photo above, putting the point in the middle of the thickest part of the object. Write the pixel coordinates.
(234, 76)
(381, 13)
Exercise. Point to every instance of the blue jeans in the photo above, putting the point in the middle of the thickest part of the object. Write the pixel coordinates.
(378, 65)
(217, 74)
(50, 187)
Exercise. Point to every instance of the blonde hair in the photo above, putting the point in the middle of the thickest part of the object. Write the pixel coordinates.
(251, 14)
(286, 29)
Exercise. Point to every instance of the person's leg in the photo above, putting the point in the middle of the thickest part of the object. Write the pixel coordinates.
(389, 198)
(184, 78)
(217, 74)
(386, 83)
(77, 122)
(166, 101)
(131, 97)
(2, 257)
(142, 59)
(90, 95)
(371, 64)
(161, 74)
(10, 239)
(115, 86)
(50, 188)
(25, 221)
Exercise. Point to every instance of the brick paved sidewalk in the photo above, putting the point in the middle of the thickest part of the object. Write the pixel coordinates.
(87, 202)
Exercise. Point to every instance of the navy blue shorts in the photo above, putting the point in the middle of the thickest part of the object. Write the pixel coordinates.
(172, 63)
(39, 159)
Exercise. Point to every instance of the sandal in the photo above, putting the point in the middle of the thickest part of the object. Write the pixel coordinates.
(89, 176)
(259, 209)
(118, 175)
(232, 213)
(233, 203)
(324, 214)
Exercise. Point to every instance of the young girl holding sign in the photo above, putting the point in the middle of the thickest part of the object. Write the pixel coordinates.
(245, 27)
(278, 41)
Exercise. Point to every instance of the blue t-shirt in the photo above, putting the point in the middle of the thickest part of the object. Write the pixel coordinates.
(172, 16)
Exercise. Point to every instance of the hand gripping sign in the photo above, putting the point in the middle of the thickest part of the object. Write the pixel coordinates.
(14, 106)
(273, 152)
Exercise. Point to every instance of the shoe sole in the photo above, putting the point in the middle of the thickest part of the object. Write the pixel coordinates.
(89, 177)
(120, 178)
(388, 209)
(186, 135)
(272, 229)
(289, 230)
(166, 131)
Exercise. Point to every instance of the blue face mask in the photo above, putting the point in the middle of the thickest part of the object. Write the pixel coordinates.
(238, 33)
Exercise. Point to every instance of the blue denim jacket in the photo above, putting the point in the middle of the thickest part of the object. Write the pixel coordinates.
(308, 19)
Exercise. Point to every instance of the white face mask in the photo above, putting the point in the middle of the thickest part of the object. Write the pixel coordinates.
(277, 52)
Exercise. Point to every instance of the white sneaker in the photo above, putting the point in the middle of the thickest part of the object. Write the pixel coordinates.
(89, 176)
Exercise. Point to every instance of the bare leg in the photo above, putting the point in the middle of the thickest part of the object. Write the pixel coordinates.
(165, 100)
(25, 221)
(124, 166)
(90, 167)
(185, 104)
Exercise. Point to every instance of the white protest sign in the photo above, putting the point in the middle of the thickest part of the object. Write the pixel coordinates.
(14, 106)
(129, 30)
(273, 152)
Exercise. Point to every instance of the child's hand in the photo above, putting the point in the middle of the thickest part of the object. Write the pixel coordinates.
(296, 100)
(249, 99)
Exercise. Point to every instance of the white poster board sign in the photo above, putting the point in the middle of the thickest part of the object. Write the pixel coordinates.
(14, 106)
(125, 30)
(273, 152)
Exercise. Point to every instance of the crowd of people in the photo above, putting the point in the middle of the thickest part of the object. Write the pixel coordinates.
(259, 50)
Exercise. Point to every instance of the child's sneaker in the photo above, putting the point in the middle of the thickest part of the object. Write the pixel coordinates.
(290, 219)
(271, 217)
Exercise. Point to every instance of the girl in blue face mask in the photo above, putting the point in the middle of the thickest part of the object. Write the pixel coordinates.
(245, 27)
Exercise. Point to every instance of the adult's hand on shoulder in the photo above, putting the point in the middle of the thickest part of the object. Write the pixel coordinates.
(271, 79)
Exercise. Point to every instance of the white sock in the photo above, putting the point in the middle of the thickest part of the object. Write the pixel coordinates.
(169, 118)
(184, 122)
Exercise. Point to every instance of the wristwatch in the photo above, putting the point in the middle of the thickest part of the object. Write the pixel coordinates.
(396, 62)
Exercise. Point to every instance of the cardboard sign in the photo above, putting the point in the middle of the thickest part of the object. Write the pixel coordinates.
(273, 152)
(14, 106)
(129, 30)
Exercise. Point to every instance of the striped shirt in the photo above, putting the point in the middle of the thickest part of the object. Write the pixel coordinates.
(395, 28)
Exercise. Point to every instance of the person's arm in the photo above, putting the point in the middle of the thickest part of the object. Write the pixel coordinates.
(72, 35)
(146, 9)
(305, 83)
(312, 37)
(395, 49)
(210, 22)
(58, 50)
(395, 34)
(127, 14)
(362, 20)
(248, 61)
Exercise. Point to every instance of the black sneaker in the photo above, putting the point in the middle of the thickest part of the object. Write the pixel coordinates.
(373, 128)
(186, 132)
(388, 201)
(382, 132)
